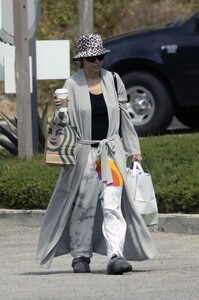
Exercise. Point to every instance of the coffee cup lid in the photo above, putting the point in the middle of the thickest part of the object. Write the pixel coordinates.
(61, 91)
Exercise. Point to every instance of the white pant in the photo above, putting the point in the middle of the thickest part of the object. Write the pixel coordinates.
(82, 220)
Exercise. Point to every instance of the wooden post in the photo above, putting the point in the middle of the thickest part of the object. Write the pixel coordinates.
(24, 106)
(85, 16)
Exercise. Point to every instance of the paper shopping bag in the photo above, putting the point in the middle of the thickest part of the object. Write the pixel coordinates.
(61, 145)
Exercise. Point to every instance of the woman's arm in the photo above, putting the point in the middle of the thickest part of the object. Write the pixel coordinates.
(128, 133)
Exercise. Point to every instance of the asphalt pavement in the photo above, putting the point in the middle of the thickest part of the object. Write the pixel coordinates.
(172, 274)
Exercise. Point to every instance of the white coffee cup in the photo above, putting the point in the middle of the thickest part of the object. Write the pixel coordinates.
(62, 94)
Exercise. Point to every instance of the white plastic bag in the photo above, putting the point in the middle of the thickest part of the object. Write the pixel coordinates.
(140, 183)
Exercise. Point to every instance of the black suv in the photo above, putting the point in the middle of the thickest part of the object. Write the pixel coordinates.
(160, 69)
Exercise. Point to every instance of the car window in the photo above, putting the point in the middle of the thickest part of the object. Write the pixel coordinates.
(175, 23)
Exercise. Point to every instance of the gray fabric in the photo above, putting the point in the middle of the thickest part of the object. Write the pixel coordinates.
(54, 236)
(83, 216)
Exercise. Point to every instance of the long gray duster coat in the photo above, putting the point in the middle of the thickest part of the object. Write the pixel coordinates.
(54, 237)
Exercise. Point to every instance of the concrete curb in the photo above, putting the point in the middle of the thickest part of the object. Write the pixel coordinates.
(22, 217)
(179, 223)
(176, 223)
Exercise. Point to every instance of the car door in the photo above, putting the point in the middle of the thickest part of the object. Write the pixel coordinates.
(181, 54)
(188, 72)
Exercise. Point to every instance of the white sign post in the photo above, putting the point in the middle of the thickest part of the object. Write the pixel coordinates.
(25, 61)
(24, 105)
(17, 27)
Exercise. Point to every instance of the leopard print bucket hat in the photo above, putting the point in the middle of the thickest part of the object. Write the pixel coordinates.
(89, 45)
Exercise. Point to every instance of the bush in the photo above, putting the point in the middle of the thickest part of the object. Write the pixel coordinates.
(26, 184)
(172, 160)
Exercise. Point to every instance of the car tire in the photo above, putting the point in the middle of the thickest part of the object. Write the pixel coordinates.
(149, 103)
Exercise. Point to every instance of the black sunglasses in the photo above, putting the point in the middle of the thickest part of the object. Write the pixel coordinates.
(93, 58)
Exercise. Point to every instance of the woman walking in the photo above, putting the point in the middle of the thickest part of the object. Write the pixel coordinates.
(92, 209)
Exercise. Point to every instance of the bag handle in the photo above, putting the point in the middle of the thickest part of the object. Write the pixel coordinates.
(115, 82)
(134, 166)
(138, 166)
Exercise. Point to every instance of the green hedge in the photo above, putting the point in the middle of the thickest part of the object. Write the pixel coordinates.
(26, 184)
(172, 160)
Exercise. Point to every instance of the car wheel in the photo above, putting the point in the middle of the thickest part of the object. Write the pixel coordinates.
(188, 116)
(149, 103)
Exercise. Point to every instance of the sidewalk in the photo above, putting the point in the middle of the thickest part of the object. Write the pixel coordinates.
(175, 223)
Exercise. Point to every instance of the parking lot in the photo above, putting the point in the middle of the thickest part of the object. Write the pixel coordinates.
(173, 274)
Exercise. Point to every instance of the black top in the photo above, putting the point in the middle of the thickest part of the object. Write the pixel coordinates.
(99, 117)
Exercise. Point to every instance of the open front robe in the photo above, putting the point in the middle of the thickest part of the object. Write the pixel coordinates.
(54, 237)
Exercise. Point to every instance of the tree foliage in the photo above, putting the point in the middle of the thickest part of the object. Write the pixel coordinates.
(59, 19)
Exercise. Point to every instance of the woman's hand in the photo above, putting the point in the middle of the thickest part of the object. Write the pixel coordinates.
(57, 103)
(58, 106)
(136, 157)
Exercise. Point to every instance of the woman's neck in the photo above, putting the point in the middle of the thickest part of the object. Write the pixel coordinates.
(94, 82)
(90, 75)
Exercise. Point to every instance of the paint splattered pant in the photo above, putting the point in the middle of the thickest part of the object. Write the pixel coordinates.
(91, 190)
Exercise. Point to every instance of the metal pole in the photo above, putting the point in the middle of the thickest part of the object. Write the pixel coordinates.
(24, 108)
(85, 16)
(34, 111)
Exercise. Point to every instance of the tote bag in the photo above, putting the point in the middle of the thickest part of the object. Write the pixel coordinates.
(61, 145)
(140, 184)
